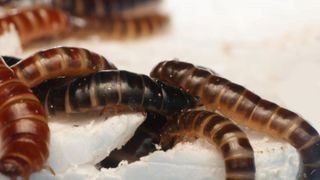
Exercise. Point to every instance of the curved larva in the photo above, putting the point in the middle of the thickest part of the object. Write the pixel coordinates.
(243, 106)
(114, 88)
(35, 23)
(59, 62)
(24, 131)
(231, 141)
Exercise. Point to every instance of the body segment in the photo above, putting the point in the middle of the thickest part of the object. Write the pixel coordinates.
(35, 23)
(98, 8)
(113, 88)
(122, 28)
(59, 62)
(243, 106)
(219, 131)
(24, 130)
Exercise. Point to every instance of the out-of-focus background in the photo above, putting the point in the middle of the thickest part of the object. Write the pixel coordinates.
(269, 46)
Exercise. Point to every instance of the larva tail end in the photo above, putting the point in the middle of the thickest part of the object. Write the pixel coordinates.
(13, 167)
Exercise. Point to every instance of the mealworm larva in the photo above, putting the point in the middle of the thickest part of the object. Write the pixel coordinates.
(98, 8)
(223, 133)
(24, 130)
(245, 107)
(111, 88)
(119, 27)
(35, 23)
(60, 61)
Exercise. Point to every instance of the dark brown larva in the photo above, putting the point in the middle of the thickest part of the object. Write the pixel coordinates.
(114, 88)
(98, 8)
(59, 62)
(243, 106)
(221, 132)
(35, 23)
(24, 130)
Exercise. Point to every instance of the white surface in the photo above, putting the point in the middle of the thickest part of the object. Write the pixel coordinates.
(271, 47)
(9, 41)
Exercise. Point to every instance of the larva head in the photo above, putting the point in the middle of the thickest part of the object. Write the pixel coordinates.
(172, 72)
(175, 99)
(158, 71)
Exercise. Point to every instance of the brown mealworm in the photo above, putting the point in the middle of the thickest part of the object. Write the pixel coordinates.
(24, 130)
(243, 106)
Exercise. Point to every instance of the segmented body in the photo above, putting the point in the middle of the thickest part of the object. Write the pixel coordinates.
(35, 23)
(85, 8)
(98, 8)
(24, 131)
(112, 88)
(59, 62)
(221, 132)
(243, 106)
(118, 27)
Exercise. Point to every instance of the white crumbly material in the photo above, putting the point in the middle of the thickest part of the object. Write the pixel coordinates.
(10, 43)
(85, 142)
(269, 46)
(76, 147)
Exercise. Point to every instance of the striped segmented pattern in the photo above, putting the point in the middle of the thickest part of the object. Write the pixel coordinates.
(243, 106)
(35, 23)
(221, 132)
(98, 8)
(112, 88)
(24, 131)
(118, 27)
(60, 61)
